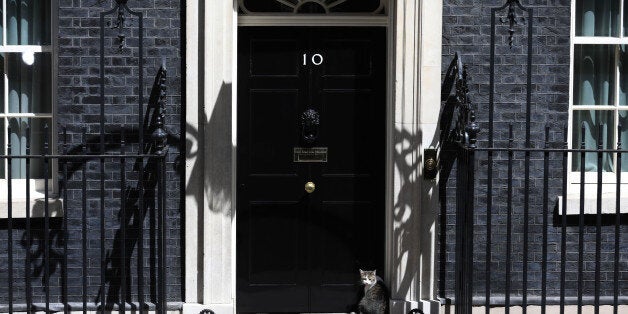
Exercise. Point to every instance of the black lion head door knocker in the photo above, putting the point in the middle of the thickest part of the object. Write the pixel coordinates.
(310, 121)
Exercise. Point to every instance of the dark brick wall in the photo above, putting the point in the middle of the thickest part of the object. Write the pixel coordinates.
(78, 97)
(467, 29)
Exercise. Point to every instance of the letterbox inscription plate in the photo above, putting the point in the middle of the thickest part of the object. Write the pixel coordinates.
(310, 154)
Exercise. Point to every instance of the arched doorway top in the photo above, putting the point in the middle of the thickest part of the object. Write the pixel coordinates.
(330, 7)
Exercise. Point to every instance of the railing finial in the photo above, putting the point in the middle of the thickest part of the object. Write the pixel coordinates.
(511, 19)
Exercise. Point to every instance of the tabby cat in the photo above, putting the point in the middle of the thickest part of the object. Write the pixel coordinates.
(375, 299)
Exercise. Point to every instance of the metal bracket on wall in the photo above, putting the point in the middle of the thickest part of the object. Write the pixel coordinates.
(430, 163)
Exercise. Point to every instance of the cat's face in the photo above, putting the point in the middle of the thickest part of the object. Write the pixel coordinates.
(368, 277)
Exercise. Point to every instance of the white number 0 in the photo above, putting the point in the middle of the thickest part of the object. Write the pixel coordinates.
(317, 59)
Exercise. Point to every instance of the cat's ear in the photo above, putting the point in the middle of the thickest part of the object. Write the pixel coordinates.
(361, 271)
(375, 272)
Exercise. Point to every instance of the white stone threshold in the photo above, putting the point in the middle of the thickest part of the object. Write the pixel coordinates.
(195, 308)
(405, 307)
(535, 309)
(396, 307)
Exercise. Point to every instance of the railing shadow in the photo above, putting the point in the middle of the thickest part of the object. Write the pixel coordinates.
(405, 209)
(121, 252)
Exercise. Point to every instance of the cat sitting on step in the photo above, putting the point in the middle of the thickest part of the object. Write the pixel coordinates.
(375, 299)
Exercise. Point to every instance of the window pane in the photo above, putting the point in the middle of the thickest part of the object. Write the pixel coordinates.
(28, 22)
(623, 121)
(311, 7)
(2, 107)
(2, 148)
(597, 18)
(1, 26)
(358, 6)
(592, 119)
(625, 20)
(18, 137)
(623, 75)
(29, 85)
(266, 6)
(594, 75)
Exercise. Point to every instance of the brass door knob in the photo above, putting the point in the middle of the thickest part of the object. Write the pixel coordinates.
(310, 187)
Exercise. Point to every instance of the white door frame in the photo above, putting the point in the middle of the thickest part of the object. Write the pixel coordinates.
(312, 20)
(413, 78)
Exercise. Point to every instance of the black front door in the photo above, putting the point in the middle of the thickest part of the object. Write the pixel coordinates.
(311, 108)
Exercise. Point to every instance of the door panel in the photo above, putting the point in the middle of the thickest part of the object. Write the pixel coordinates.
(348, 57)
(274, 249)
(271, 149)
(299, 252)
(266, 52)
(354, 140)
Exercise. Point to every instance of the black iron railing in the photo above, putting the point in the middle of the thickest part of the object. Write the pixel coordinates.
(108, 250)
(511, 224)
(109, 191)
(115, 196)
(528, 231)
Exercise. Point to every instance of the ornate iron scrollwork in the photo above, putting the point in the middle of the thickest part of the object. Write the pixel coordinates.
(120, 24)
(465, 128)
(511, 18)
(310, 121)
(160, 136)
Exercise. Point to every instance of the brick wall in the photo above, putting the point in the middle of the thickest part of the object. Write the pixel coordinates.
(78, 98)
(467, 29)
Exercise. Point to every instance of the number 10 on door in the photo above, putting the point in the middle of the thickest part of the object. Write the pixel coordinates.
(316, 59)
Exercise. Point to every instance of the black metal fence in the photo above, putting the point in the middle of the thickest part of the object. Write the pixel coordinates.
(533, 225)
(517, 243)
(94, 235)
(21, 274)
(92, 188)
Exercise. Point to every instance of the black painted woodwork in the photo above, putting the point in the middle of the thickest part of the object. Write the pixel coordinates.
(299, 252)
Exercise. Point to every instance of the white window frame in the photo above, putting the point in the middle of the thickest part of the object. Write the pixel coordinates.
(37, 193)
(609, 179)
